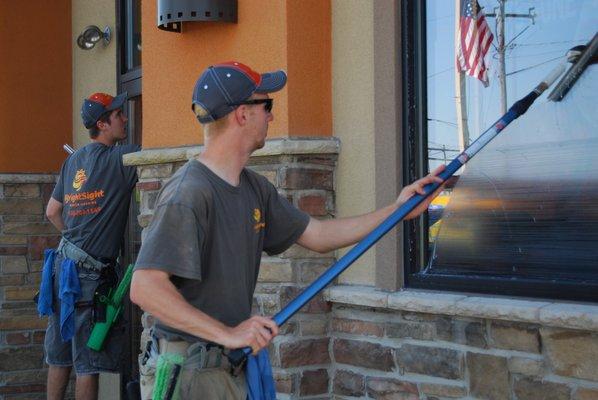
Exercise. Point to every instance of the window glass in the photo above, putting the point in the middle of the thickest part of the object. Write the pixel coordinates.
(524, 206)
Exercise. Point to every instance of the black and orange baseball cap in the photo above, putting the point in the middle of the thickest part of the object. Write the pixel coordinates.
(99, 103)
(222, 86)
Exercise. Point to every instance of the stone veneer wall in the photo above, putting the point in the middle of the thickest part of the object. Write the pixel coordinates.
(24, 234)
(425, 345)
(362, 343)
(303, 171)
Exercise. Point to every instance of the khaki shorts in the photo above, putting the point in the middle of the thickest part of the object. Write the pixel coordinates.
(208, 382)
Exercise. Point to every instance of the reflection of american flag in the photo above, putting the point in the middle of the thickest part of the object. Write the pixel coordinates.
(474, 40)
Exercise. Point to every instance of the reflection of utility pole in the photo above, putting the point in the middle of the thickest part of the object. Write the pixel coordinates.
(500, 15)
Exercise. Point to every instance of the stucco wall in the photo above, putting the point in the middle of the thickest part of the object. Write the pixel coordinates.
(270, 34)
(353, 118)
(93, 70)
(35, 84)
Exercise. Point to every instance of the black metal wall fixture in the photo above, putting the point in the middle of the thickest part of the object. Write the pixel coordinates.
(172, 13)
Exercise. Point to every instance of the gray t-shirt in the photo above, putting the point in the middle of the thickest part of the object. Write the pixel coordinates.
(209, 235)
(94, 188)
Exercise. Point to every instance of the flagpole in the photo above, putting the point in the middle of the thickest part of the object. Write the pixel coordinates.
(460, 94)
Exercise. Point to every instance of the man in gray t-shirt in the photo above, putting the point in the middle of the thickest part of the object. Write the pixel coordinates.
(199, 260)
(89, 205)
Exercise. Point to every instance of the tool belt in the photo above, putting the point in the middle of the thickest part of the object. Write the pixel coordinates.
(197, 355)
(79, 256)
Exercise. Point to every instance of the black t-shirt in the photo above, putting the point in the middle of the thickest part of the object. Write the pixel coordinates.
(210, 236)
(94, 188)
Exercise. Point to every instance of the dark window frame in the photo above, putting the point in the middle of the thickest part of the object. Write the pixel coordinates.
(415, 161)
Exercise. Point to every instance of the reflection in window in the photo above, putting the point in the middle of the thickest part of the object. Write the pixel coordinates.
(525, 205)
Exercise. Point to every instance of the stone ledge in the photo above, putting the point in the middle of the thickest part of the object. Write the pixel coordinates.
(273, 147)
(548, 313)
(28, 178)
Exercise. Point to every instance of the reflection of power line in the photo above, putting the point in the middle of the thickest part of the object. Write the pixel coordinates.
(434, 152)
(443, 122)
(549, 43)
(440, 72)
(533, 66)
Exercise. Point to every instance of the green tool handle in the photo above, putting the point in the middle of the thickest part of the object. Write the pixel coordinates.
(114, 307)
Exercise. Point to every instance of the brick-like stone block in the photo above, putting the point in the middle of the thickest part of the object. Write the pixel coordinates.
(357, 327)
(306, 178)
(21, 390)
(14, 264)
(312, 326)
(513, 336)
(149, 185)
(571, 353)
(436, 389)
(284, 382)
(271, 271)
(19, 293)
(532, 389)
(38, 337)
(11, 280)
(30, 228)
(363, 354)
(24, 206)
(148, 200)
(348, 383)
(12, 250)
(388, 388)
(316, 305)
(17, 338)
(23, 377)
(413, 330)
(314, 382)
(37, 245)
(470, 333)
(315, 159)
(12, 240)
(304, 352)
(22, 322)
(433, 361)
(526, 366)
(488, 376)
(313, 204)
(310, 270)
(585, 394)
(267, 304)
(21, 190)
(155, 171)
(21, 358)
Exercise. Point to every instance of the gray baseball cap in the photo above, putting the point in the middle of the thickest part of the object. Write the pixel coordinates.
(99, 103)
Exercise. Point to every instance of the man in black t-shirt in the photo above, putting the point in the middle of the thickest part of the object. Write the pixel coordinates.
(199, 261)
(89, 205)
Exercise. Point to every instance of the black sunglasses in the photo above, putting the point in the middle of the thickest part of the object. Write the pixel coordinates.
(268, 103)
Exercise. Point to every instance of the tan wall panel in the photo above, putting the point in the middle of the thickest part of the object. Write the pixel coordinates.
(93, 70)
(35, 84)
(353, 118)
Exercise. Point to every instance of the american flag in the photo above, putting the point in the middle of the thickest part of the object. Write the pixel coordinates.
(474, 41)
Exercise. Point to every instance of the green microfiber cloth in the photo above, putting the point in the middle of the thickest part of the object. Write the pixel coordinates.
(168, 368)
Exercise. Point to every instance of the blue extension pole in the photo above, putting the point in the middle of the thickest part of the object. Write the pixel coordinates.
(237, 356)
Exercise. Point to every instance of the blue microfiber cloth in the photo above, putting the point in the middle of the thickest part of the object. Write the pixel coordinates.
(70, 291)
(44, 301)
(258, 373)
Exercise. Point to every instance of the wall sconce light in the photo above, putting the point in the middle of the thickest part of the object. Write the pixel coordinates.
(91, 36)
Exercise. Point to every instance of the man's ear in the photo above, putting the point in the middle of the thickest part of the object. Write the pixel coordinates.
(241, 115)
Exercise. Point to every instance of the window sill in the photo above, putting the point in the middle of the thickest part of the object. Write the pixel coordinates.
(549, 313)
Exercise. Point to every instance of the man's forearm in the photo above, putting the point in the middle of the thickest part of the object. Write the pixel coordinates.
(57, 222)
(160, 298)
(337, 233)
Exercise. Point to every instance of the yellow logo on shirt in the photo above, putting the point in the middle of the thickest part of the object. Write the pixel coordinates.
(80, 179)
(257, 216)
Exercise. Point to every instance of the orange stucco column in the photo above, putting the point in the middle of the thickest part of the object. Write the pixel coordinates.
(35, 85)
(270, 34)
